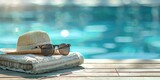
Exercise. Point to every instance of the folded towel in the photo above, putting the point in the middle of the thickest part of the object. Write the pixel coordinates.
(30, 63)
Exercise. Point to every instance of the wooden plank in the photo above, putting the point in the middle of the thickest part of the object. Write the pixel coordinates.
(76, 73)
(103, 72)
(102, 78)
(91, 75)
(68, 75)
(138, 70)
(139, 74)
(13, 74)
(77, 78)
(131, 61)
(95, 71)
(87, 78)
(146, 66)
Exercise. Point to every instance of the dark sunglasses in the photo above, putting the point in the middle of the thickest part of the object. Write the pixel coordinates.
(49, 49)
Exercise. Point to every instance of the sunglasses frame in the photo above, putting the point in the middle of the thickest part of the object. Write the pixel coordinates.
(50, 50)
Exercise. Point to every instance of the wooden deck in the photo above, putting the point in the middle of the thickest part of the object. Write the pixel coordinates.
(97, 69)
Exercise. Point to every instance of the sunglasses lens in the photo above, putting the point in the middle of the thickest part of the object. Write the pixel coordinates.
(47, 49)
(64, 49)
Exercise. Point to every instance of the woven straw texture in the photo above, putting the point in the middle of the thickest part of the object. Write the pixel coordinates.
(29, 40)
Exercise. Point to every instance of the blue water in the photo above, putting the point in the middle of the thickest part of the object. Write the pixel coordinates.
(124, 32)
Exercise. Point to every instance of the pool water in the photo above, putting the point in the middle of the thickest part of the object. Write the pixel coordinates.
(119, 32)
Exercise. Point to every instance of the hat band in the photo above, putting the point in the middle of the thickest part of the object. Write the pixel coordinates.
(30, 47)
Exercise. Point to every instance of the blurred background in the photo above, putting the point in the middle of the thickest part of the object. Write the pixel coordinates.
(100, 29)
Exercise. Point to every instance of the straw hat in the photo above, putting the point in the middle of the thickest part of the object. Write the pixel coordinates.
(27, 43)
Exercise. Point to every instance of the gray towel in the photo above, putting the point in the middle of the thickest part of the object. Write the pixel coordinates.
(35, 64)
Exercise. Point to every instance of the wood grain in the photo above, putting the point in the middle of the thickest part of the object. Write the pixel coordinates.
(130, 61)
(127, 65)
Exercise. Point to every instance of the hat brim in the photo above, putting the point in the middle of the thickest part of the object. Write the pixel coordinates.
(14, 51)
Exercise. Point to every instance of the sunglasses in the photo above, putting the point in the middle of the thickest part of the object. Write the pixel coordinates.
(50, 49)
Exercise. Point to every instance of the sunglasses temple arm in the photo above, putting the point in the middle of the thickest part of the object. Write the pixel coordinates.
(63, 47)
(68, 45)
